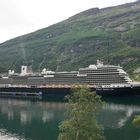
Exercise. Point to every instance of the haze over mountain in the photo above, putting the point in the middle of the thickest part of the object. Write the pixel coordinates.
(110, 34)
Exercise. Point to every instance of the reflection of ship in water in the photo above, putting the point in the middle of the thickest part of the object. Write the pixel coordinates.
(27, 110)
(33, 120)
(117, 115)
(113, 115)
(27, 119)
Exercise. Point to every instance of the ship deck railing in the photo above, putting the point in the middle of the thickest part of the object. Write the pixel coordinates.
(65, 86)
(46, 86)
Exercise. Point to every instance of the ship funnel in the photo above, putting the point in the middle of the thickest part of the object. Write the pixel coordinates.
(25, 70)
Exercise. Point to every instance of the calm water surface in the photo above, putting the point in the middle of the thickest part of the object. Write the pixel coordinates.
(38, 120)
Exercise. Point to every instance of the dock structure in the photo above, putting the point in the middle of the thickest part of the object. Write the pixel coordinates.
(21, 94)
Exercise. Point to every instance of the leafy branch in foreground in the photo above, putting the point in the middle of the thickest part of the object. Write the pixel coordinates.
(81, 122)
(136, 121)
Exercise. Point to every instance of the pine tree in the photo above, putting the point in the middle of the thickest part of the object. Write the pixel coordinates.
(81, 122)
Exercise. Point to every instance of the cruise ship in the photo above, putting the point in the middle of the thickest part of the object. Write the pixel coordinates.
(104, 79)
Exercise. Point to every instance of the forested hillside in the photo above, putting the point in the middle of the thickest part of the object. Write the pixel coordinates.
(110, 34)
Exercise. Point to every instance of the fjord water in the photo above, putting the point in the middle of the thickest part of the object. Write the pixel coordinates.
(39, 120)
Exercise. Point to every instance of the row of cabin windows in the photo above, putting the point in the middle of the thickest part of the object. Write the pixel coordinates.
(94, 71)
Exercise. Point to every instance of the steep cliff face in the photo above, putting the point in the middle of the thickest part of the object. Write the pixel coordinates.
(110, 34)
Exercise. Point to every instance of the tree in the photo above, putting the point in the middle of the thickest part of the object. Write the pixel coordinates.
(81, 122)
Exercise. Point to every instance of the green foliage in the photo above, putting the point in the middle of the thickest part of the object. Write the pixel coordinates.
(137, 76)
(81, 122)
(136, 121)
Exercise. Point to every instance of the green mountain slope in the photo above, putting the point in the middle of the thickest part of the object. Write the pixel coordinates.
(110, 34)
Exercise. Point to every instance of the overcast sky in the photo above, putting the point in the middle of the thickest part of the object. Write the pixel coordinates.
(18, 17)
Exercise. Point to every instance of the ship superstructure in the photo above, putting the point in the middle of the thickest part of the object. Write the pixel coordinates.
(104, 79)
(96, 75)
(104, 74)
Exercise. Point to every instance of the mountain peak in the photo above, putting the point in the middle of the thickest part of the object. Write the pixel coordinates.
(86, 13)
